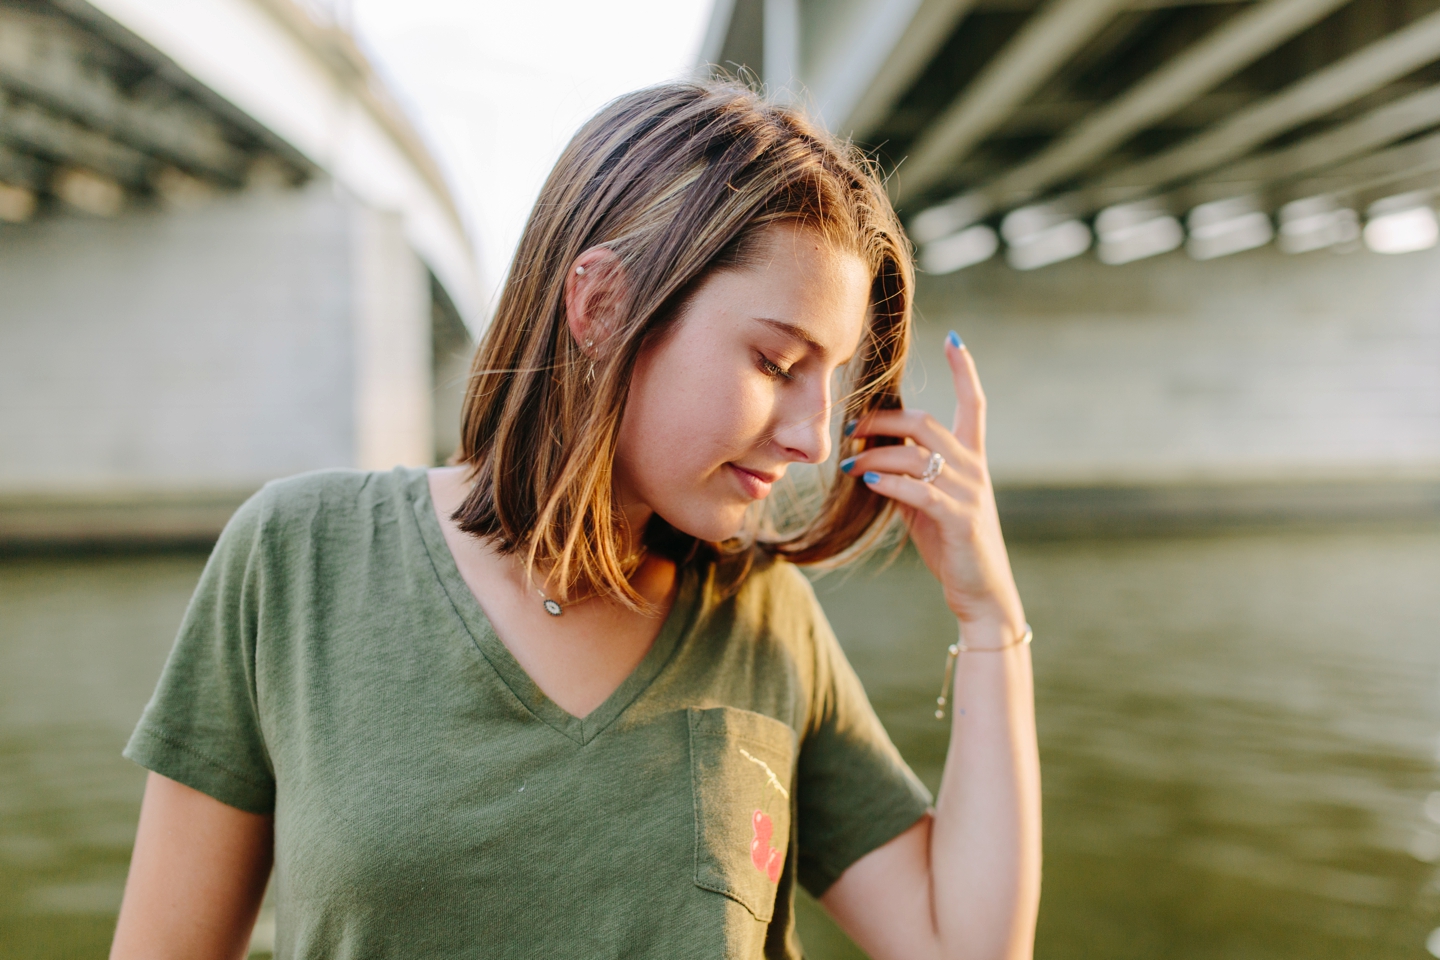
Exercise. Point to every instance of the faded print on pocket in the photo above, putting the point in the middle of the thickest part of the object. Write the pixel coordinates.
(740, 769)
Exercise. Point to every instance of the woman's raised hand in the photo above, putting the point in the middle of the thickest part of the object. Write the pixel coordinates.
(952, 519)
(967, 881)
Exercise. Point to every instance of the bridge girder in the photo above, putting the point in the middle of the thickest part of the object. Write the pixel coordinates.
(78, 109)
(1056, 110)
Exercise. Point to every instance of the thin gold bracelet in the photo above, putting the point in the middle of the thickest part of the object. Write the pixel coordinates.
(953, 653)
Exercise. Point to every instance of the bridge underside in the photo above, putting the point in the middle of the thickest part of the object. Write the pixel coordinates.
(94, 120)
(1156, 224)
(195, 304)
(1140, 124)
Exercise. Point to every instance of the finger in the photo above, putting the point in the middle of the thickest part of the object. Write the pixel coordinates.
(910, 463)
(909, 459)
(969, 397)
(922, 497)
(914, 425)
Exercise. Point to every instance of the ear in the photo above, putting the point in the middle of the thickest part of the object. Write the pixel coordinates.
(593, 297)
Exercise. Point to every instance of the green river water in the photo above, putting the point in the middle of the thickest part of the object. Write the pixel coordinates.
(1240, 737)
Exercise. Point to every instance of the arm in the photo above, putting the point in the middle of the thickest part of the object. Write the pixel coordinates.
(964, 883)
(196, 877)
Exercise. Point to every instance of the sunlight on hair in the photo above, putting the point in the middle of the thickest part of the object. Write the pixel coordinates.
(674, 182)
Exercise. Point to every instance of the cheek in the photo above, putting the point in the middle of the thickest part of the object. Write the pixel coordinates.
(684, 420)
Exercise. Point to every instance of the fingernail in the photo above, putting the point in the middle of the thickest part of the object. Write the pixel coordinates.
(848, 463)
(954, 339)
(871, 476)
(850, 426)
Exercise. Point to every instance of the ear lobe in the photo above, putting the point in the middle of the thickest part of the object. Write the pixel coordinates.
(593, 297)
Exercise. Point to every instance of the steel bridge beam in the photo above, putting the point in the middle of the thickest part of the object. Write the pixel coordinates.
(65, 141)
(1235, 45)
(1362, 72)
(46, 63)
(858, 83)
(1041, 47)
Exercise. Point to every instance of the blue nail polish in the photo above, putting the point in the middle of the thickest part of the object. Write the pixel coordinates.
(848, 463)
(954, 339)
(871, 476)
(850, 426)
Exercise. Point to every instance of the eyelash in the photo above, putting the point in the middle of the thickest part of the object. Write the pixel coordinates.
(773, 369)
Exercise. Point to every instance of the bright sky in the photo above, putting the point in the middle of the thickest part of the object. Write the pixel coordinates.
(497, 88)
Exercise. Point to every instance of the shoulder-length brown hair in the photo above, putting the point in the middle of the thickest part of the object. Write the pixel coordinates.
(677, 181)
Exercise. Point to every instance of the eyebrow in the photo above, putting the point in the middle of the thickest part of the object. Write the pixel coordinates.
(796, 332)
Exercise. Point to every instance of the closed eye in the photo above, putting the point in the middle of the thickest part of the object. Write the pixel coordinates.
(773, 369)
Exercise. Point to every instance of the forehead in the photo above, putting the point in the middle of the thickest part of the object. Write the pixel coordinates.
(802, 280)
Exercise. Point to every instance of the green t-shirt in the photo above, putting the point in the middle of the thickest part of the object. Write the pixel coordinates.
(333, 668)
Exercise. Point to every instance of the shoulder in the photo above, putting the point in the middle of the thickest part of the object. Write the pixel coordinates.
(770, 596)
(332, 493)
(773, 580)
(336, 489)
(327, 504)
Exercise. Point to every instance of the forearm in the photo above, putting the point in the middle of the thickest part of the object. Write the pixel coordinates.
(985, 841)
(965, 883)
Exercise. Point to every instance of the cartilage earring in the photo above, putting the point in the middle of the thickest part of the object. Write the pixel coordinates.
(580, 271)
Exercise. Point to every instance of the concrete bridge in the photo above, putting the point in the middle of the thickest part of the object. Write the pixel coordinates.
(1191, 243)
(225, 257)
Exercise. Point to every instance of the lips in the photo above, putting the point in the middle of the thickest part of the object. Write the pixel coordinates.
(755, 483)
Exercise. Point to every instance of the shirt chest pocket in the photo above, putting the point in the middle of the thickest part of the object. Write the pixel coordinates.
(741, 765)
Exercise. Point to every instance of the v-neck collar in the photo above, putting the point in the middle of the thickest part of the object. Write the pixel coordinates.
(580, 729)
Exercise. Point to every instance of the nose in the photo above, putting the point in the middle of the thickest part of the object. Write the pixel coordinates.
(805, 425)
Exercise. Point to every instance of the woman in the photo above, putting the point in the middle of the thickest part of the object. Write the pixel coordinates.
(571, 698)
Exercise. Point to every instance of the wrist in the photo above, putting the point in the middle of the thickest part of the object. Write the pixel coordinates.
(994, 632)
(997, 637)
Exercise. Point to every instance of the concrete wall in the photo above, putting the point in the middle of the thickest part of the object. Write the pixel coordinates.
(393, 390)
(1256, 368)
(175, 358)
(172, 361)
(452, 348)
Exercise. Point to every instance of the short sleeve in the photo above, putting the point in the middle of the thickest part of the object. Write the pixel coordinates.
(855, 792)
(202, 726)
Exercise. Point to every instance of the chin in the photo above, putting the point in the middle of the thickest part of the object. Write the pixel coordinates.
(715, 525)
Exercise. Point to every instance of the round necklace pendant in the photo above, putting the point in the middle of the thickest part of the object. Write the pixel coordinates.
(553, 608)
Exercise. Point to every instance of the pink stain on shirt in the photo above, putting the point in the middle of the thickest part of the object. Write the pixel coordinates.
(766, 858)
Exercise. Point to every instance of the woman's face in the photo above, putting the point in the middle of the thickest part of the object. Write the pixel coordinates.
(741, 385)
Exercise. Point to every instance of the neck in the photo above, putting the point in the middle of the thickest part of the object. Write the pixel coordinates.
(637, 516)
(633, 557)
(449, 486)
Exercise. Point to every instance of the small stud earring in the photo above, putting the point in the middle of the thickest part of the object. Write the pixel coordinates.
(580, 271)
(589, 343)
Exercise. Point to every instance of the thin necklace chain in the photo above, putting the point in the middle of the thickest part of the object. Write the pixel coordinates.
(555, 607)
